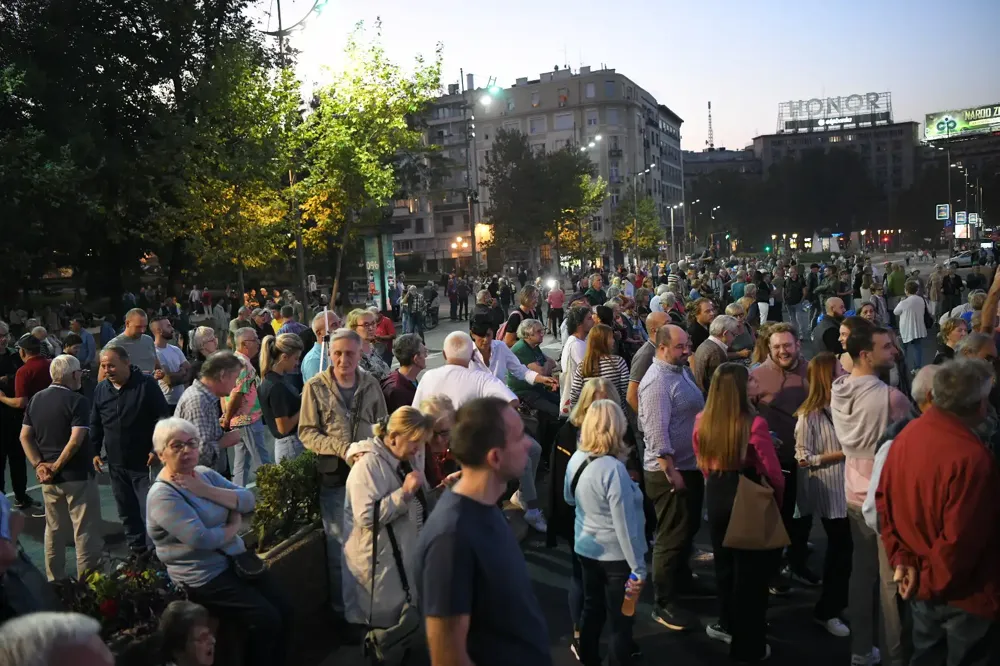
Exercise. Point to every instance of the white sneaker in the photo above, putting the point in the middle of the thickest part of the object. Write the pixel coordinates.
(717, 633)
(835, 626)
(515, 499)
(870, 659)
(536, 520)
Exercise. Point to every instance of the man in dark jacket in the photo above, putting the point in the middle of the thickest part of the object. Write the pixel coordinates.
(127, 405)
(826, 335)
(487, 305)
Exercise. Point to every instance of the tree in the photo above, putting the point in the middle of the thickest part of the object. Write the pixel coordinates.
(352, 140)
(637, 224)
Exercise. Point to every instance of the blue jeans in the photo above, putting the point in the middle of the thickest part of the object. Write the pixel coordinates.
(252, 449)
(286, 448)
(130, 488)
(331, 509)
(943, 634)
(914, 353)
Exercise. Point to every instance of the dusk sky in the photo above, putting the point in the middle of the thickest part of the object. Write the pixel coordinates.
(746, 56)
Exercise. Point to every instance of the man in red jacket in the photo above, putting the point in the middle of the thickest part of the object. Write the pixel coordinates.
(938, 502)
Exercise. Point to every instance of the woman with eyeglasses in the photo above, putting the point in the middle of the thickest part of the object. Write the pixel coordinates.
(193, 516)
(440, 469)
(362, 322)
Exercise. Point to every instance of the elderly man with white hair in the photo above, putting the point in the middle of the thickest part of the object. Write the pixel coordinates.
(460, 381)
(313, 361)
(655, 303)
(55, 441)
(53, 639)
(714, 351)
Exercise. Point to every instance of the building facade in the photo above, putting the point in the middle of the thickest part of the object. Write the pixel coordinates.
(697, 164)
(619, 124)
(889, 150)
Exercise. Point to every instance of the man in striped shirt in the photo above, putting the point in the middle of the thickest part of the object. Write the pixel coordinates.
(669, 400)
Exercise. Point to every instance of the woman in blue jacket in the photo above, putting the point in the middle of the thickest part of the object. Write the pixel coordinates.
(609, 532)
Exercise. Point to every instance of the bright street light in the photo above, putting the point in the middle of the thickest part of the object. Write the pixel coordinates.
(591, 144)
(653, 165)
(597, 138)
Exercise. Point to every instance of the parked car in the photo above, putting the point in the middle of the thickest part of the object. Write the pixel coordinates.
(962, 260)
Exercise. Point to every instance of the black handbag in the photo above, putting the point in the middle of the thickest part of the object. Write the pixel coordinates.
(928, 317)
(333, 470)
(246, 565)
(391, 646)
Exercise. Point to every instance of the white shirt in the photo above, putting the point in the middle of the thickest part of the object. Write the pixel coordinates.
(461, 385)
(171, 359)
(194, 296)
(654, 304)
(722, 345)
(573, 352)
(628, 288)
(910, 311)
(502, 361)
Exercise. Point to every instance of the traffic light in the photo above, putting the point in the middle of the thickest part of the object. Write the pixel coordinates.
(727, 236)
(767, 248)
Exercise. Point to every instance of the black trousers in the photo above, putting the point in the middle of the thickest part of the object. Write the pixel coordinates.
(12, 453)
(741, 576)
(678, 517)
(555, 320)
(798, 528)
(256, 607)
(603, 593)
(463, 307)
(453, 310)
(129, 488)
(836, 568)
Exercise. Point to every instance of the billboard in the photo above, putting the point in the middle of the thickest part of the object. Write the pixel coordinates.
(826, 113)
(962, 122)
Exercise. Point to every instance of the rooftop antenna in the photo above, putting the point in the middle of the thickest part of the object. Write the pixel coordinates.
(711, 134)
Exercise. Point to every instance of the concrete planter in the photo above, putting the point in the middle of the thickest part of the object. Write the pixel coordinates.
(299, 567)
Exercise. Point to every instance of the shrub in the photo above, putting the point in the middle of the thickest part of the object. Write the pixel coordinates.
(287, 499)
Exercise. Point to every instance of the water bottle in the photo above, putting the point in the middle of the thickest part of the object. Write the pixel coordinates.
(628, 604)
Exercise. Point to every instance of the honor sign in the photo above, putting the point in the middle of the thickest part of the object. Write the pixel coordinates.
(826, 113)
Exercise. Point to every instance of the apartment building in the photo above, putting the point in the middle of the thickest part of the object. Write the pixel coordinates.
(620, 125)
(714, 160)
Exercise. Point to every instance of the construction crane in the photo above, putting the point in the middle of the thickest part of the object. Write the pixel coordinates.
(711, 134)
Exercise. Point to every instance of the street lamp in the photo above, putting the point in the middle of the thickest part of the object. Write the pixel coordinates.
(635, 211)
(673, 250)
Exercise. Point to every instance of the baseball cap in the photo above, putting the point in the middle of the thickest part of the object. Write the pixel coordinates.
(29, 343)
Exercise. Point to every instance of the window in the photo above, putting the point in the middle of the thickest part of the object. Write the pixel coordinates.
(612, 117)
(538, 148)
(447, 221)
(614, 143)
(563, 121)
(591, 91)
(418, 225)
(510, 104)
(609, 89)
(486, 133)
(834, 139)
(596, 225)
(535, 100)
(614, 172)
(465, 220)
(614, 198)
(592, 119)
(536, 125)
(512, 126)
(563, 97)
(628, 93)
(402, 245)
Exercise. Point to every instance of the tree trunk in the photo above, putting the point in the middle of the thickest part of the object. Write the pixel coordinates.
(340, 262)
(558, 260)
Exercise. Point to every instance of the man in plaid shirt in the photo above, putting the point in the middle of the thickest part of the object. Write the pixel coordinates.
(200, 405)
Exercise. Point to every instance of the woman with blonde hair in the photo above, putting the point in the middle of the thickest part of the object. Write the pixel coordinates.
(609, 532)
(385, 495)
(821, 489)
(741, 348)
(279, 402)
(730, 440)
(761, 350)
(600, 361)
(952, 331)
(362, 322)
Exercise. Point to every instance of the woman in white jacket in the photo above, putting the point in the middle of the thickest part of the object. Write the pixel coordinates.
(383, 471)
(912, 329)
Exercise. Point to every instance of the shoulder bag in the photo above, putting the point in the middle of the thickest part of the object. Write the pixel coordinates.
(755, 522)
(246, 565)
(928, 317)
(393, 645)
(332, 470)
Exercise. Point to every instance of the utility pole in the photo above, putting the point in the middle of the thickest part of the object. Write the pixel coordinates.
(471, 195)
(300, 257)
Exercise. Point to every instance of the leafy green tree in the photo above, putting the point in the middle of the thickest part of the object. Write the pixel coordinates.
(351, 142)
(637, 224)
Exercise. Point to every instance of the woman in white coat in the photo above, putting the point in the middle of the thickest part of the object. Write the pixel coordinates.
(383, 471)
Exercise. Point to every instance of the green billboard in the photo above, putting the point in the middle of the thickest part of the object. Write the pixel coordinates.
(974, 120)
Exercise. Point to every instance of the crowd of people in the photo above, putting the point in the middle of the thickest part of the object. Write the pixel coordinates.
(681, 399)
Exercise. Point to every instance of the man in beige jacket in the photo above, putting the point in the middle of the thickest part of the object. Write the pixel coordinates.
(339, 407)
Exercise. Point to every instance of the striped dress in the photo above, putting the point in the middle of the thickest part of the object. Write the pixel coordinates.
(820, 486)
(614, 369)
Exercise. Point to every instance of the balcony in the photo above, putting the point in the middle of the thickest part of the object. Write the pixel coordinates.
(447, 206)
(614, 152)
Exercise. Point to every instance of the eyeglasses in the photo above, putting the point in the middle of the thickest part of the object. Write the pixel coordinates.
(177, 445)
(367, 324)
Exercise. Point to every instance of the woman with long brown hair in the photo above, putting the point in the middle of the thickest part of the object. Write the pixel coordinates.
(600, 361)
(730, 440)
(821, 489)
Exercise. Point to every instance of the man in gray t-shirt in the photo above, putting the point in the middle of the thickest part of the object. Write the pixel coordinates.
(140, 347)
(641, 362)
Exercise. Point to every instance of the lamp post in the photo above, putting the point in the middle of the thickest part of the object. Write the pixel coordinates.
(471, 161)
(635, 212)
(690, 230)
(591, 145)
(673, 249)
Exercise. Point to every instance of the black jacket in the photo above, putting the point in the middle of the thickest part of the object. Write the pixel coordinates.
(826, 336)
(122, 421)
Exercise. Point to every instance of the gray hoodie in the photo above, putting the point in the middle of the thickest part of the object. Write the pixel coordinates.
(862, 408)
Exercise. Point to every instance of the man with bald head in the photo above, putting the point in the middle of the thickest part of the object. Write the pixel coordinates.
(644, 357)
(669, 400)
(323, 323)
(826, 335)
